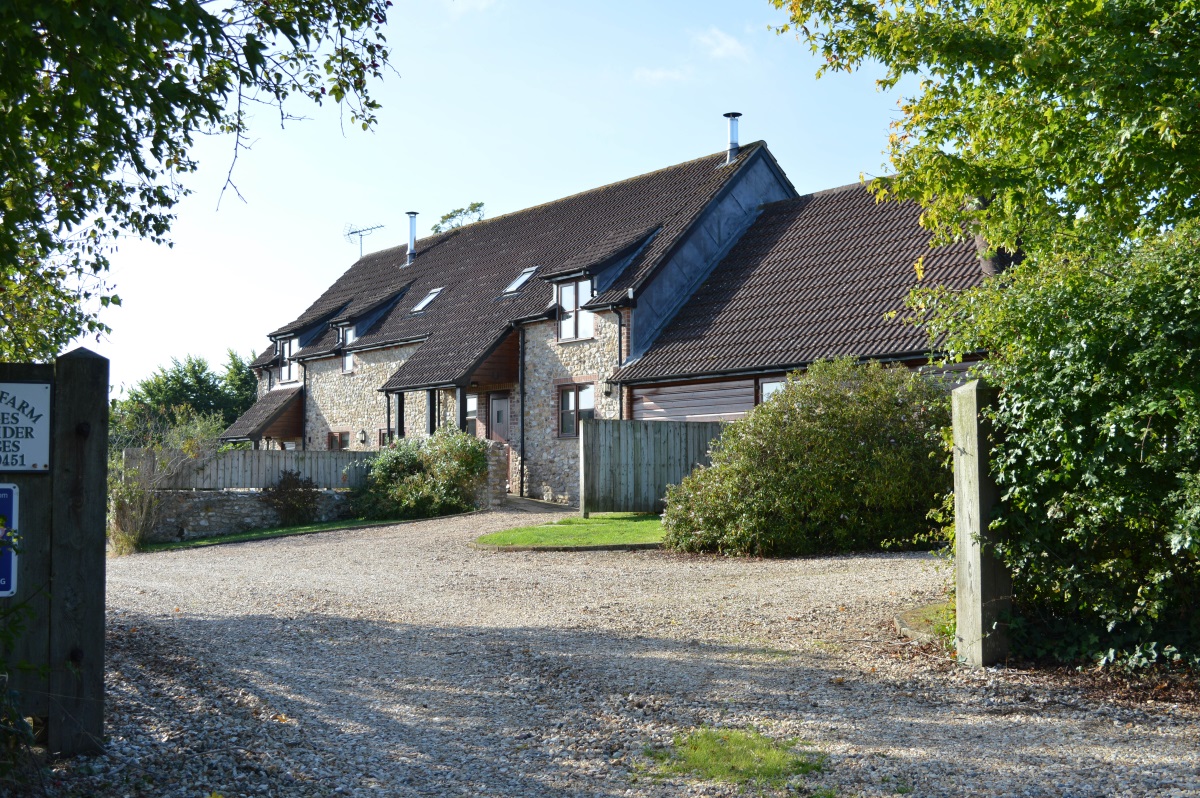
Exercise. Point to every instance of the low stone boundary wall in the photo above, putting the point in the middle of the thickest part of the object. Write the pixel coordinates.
(189, 514)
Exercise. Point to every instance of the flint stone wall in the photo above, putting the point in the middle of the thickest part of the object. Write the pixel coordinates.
(190, 514)
(551, 461)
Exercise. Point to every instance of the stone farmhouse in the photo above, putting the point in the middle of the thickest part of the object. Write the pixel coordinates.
(683, 294)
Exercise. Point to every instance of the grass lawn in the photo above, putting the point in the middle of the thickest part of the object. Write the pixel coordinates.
(737, 757)
(262, 534)
(607, 529)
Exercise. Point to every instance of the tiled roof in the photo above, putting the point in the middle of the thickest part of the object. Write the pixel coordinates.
(261, 414)
(813, 278)
(475, 262)
(268, 357)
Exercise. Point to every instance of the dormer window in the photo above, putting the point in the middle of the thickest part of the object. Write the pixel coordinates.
(349, 336)
(574, 322)
(424, 303)
(520, 280)
(286, 369)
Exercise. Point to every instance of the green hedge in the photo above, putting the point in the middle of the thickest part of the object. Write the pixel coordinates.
(1098, 360)
(843, 458)
(423, 477)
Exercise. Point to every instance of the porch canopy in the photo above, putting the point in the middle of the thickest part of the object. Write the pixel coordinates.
(278, 415)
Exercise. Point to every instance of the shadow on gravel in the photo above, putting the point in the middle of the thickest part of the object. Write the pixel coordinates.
(374, 708)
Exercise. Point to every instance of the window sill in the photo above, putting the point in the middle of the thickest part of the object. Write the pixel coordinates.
(576, 340)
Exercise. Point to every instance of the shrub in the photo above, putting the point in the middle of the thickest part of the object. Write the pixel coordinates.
(294, 498)
(423, 477)
(165, 443)
(843, 458)
(1098, 361)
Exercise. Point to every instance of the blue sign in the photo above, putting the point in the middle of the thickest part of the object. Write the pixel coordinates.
(8, 524)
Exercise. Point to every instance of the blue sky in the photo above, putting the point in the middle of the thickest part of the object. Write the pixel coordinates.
(505, 102)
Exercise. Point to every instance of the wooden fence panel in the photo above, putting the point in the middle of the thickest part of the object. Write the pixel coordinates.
(249, 469)
(626, 466)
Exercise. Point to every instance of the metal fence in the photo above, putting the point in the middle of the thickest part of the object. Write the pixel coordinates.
(626, 466)
(246, 468)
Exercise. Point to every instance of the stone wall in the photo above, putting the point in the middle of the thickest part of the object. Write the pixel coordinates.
(494, 490)
(188, 514)
(552, 462)
(351, 402)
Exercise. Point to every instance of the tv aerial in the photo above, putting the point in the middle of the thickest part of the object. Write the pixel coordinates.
(362, 232)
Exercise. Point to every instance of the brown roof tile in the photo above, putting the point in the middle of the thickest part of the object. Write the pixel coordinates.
(474, 263)
(813, 278)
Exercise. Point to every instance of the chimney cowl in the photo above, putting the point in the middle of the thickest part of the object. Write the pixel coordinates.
(732, 151)
(412, 237)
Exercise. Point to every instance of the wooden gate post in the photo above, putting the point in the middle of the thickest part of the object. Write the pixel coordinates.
(983, 583)
(80, 495)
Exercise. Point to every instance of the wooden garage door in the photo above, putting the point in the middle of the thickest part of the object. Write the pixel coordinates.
(710, 401)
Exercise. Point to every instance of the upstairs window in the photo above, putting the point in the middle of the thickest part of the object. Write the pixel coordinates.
(286, 369)
(522, 278)
(574, 322)
(575, 403)
(349, 336)
(424, 303)
(769, 387)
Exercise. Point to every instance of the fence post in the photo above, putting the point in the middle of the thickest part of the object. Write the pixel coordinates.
(585, 427)
(983, 583)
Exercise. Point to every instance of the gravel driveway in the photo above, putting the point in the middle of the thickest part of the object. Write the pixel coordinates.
(400, 661)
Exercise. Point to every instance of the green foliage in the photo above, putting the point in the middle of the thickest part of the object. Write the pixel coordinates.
(1099, 462)
(166, 442)
(738, 757)
(423, 477)
(841, 459)
(458, 217)
(172, 398)
(295, 498)
(102, 103)
(1074, 121)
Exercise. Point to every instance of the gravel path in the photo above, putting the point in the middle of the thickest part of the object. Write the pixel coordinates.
(400, 661)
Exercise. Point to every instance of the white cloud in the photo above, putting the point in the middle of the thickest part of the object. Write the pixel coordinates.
(720, 44)
(645, 75)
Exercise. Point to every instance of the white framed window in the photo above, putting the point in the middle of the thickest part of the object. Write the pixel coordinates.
(574, 322)
(424, 303)
(575, 403)
(520, 280)
(349, 336)
(769, 387)
(286, 367)
(472, 413)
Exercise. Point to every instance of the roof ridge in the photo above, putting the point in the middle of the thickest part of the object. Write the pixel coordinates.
(745, 149)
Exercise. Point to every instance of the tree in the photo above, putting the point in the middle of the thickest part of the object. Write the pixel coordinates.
(185, 391)
(1036, 125)
(100, 103)
(459, 216)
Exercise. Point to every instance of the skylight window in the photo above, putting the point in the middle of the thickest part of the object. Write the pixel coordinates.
(521, 279)
(424, 303)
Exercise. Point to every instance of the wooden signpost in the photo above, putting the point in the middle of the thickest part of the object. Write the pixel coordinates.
(53, 484)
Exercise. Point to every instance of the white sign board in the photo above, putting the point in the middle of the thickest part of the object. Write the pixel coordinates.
(24, 426)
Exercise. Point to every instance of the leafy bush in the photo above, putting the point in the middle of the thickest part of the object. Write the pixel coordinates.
(843, 458)
(423, 477)
(1099, 466)
(294, 498)
(167, 443)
